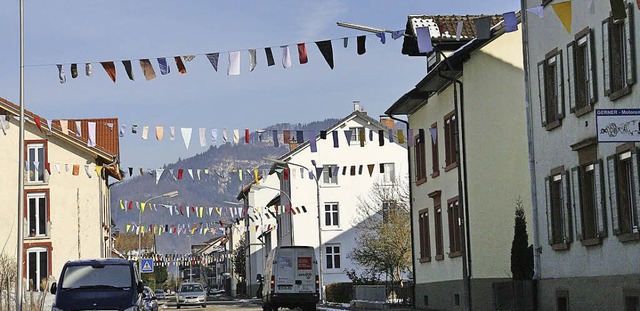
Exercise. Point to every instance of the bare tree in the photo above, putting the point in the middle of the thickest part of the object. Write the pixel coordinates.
(384, 230)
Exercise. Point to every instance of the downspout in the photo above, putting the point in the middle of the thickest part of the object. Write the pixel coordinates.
(413, 262)
(462, 181)
(534, 196)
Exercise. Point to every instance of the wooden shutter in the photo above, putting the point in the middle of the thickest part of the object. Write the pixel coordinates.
(613, 194)
(541, 93)
(547, 186)
(636, 186)
(591, 70)
(600, 206)
(566, 208)
(629, 46)
(606, 68)
(577, 208)
(421, 235)
(571, 76)
(559, 85)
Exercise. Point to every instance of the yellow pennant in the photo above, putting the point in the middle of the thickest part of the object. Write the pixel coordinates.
(142, 205)
(218, 211)
(201, 211)
(121, 205)
(128, 228)
(98, 170)
(563, 10)
(255, 175)
(400, 136)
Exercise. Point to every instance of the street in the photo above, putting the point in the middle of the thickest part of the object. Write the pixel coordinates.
(213, 305)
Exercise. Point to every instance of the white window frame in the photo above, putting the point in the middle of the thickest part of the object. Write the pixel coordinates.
(328, 178)
(36, 174)
(389, 175)
(37, 196)
(333, 213)
(37, 250)
(330, 256)
(355, 135)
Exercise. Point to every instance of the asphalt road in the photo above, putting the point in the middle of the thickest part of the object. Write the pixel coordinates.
(213, 305)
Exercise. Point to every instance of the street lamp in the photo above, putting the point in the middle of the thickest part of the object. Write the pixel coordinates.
(171, 194)
(315, 175)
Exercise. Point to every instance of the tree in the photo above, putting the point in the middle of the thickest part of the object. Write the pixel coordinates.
(383, 230)
(521, 251)
(158, 276)
(239, 259)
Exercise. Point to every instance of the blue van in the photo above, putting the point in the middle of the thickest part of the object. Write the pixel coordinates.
(98, 284)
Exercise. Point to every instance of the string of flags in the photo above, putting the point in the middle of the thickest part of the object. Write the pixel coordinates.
(163, 64)
(165, 260)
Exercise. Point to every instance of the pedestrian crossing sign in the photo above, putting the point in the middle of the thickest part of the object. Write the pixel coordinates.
(146, 266)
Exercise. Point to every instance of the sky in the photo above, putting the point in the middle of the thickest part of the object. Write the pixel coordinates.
(79, 31)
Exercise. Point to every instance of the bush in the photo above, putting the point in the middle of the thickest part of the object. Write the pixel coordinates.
(339, 292)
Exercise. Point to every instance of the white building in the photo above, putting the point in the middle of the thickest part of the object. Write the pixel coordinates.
(66, 202)
(349, 158)
(587, 189)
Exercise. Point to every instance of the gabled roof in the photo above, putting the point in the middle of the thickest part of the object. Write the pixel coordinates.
(443, 31)
(356, 114)
(440, 76)
(107, 150)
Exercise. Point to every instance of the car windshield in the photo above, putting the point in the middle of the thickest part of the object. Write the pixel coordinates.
(159, 291)
(97, 276)
(191, 288)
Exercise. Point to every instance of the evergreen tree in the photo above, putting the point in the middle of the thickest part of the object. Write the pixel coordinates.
(521, 252)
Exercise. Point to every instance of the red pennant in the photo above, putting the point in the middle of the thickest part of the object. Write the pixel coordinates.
(37, 119)
(47, 166)
(302, 53)
(285, 174)
(130, 205)
(180, 171)
(246, 136)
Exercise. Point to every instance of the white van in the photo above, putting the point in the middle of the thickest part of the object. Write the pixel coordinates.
(291, 279)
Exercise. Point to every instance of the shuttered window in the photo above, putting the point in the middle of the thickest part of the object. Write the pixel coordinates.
(425, 243)
(421, 162)
(437, 208)
(624, 193)
(435, 158)
(453, 212)
(558, 211)
(581, 73)
(551, 89)
(450, 128)
(618, 61)
(587, 183)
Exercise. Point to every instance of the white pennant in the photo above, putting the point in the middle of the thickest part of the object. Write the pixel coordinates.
(203, 136)
(158, 174)
(172, 133)
(190, 172)
(91, 132)
(186, 135)
(286, 56)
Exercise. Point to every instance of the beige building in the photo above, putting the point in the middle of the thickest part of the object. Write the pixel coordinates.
(469, 165)
(66, 199)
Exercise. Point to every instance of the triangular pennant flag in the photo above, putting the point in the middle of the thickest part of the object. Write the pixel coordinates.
(302, 53)
(147, 69)
(312, 141)
(347, 134)
(61, 75)
(128, 69)
(537, 10)
(38, 123)
(159, 132)
(252, 59)
(181, 69)
(234, 63)
(236, 136)
(110, 68)
(190, 171)
(91, 132)
(319, 170)
(326, 49)
(4, 124)
(213, 59)
(434, 134)
(563, 10)
(382, 36)
(370, 167)
(172, 133)
(202, 134)
(79, 128)
(397, 34)
(286, 56)
(164, 66)
(186, 136)
(158, 174)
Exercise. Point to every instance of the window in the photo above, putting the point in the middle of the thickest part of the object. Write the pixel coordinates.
(618, 50)
(437, 217)
(435, 159)
(450, 141)
(588, 187)
(37, 267)
(37, 213)
(631, 299)
(558, 213)
(550, 89)
(388, 171)
(357, 136)
(581, 72)
(562, 300)
(386, 209)
(623, 189)
(453, 211)
(421, 162)
(425, 243)
(331, 214)
(36, 160)
(333, 256)
(328, 175)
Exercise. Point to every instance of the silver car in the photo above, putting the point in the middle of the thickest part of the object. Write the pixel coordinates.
(191, 294)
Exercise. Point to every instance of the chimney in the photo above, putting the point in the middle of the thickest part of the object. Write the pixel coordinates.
(388, 122)
(356, 105)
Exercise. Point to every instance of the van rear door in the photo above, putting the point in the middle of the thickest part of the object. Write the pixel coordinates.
(305, 272)
(286, 271)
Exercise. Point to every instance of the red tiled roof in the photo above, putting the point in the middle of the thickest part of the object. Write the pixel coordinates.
(107, 139)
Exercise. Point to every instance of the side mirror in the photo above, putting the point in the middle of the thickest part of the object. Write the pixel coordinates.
(140, 287)
(54, 288)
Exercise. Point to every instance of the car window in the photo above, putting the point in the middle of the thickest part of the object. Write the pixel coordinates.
(97, 275)
(192, 288)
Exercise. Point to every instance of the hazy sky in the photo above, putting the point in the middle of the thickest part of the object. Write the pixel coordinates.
(79, 31)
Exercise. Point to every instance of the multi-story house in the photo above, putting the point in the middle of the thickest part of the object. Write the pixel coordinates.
(581, 60)
(469, 163)
(322, 180)
(66, 192)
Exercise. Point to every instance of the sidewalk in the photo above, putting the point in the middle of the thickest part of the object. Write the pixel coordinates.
(331, 306)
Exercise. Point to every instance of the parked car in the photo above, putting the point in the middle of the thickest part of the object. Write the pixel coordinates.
(98, 284)
(160, 294)
(191, 294)
(150, 300)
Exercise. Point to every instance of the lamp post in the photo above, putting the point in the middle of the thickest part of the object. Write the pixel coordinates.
(171, 194)
(190, 259)
(286, 163)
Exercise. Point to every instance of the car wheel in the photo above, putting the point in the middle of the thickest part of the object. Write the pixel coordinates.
(265, 307)
(204, 305)
(178, 306)
(274, 308)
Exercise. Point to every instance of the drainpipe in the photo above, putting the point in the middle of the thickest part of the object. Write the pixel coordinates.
(462, 181)
(413, 262)
(534, 196)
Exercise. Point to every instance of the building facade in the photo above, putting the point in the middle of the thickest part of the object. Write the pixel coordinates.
(587, 189)
(66, 194)
(469, 168)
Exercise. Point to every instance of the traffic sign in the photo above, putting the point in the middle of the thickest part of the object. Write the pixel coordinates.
(146, 266)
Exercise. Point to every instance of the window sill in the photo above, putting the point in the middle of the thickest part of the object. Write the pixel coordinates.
(439, 257)
(36, 183)
(560, 247)
(620, 93)
(328, 229)
(426, 259)
(584, 110)
(35, 238)
(455, 254)
(553, 125)
(629, 237)
(450, 166)
(329, 186)
(421, 181)
(435, 174)
(591, 242)
(333, 271)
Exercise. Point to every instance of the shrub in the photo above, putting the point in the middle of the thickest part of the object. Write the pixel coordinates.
(339, 292)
